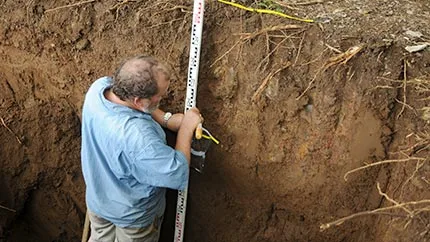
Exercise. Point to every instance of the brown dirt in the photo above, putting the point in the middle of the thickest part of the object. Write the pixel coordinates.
(278, 173)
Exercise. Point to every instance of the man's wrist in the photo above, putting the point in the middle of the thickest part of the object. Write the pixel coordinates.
(166, 118)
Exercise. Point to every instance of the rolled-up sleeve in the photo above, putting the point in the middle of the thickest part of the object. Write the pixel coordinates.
(160, 165)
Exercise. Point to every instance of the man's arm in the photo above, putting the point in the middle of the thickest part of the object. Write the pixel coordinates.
(162, 166)
(185, 125)
(174, 122)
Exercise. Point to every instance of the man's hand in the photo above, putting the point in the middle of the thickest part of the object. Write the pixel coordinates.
(191, 119)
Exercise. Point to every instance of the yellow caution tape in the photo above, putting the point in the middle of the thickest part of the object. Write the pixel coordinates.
(267, 11)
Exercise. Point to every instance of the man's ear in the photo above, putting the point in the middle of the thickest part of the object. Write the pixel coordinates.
(136, 101)
(141, 102)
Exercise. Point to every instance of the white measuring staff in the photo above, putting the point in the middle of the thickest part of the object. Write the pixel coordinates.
(190, 102)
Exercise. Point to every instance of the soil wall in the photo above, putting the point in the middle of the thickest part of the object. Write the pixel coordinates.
(292, 112)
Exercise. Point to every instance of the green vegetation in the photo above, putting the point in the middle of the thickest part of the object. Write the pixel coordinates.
(269, 4)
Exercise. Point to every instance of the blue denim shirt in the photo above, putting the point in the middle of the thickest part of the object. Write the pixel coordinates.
(126, 162)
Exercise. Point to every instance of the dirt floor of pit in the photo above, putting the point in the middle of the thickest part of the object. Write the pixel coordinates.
(286, 146)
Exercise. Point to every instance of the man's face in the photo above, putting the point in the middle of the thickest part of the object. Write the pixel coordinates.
(154, 101)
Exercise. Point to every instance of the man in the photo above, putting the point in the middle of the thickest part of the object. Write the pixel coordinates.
(126, 163)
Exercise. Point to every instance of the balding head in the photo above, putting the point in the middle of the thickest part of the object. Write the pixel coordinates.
(138, 77)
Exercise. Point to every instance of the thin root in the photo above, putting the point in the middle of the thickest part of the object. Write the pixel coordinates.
(249, 36)
(118, 6)
(16, 137)
(417, 168)
(8, 209)
(308, 3)
(375, 211)
(344, 57)
(164, 23)
(269, 54)
(381, 163)
(300, 48)
(69, 6)
(392, 200)
(226, 53)
(405, 81)
(257, 94)
(310, 83)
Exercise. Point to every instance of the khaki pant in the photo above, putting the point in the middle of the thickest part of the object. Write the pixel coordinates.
(105, 231)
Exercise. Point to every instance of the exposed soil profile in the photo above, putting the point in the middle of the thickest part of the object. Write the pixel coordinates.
(298, 107)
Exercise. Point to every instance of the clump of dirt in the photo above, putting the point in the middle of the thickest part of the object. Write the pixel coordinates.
(293, 112)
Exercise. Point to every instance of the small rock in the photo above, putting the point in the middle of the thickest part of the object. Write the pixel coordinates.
(364, 11)
(272, 89)
(323, 20)
(413, 34)
(82, 44)
(386, 131)
(58, 183)
(426, 114)
(40, 10)
(338, 10)
(416, 48)
(309, 108)
(228, 84)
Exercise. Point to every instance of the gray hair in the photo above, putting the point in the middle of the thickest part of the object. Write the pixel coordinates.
(137, 77)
